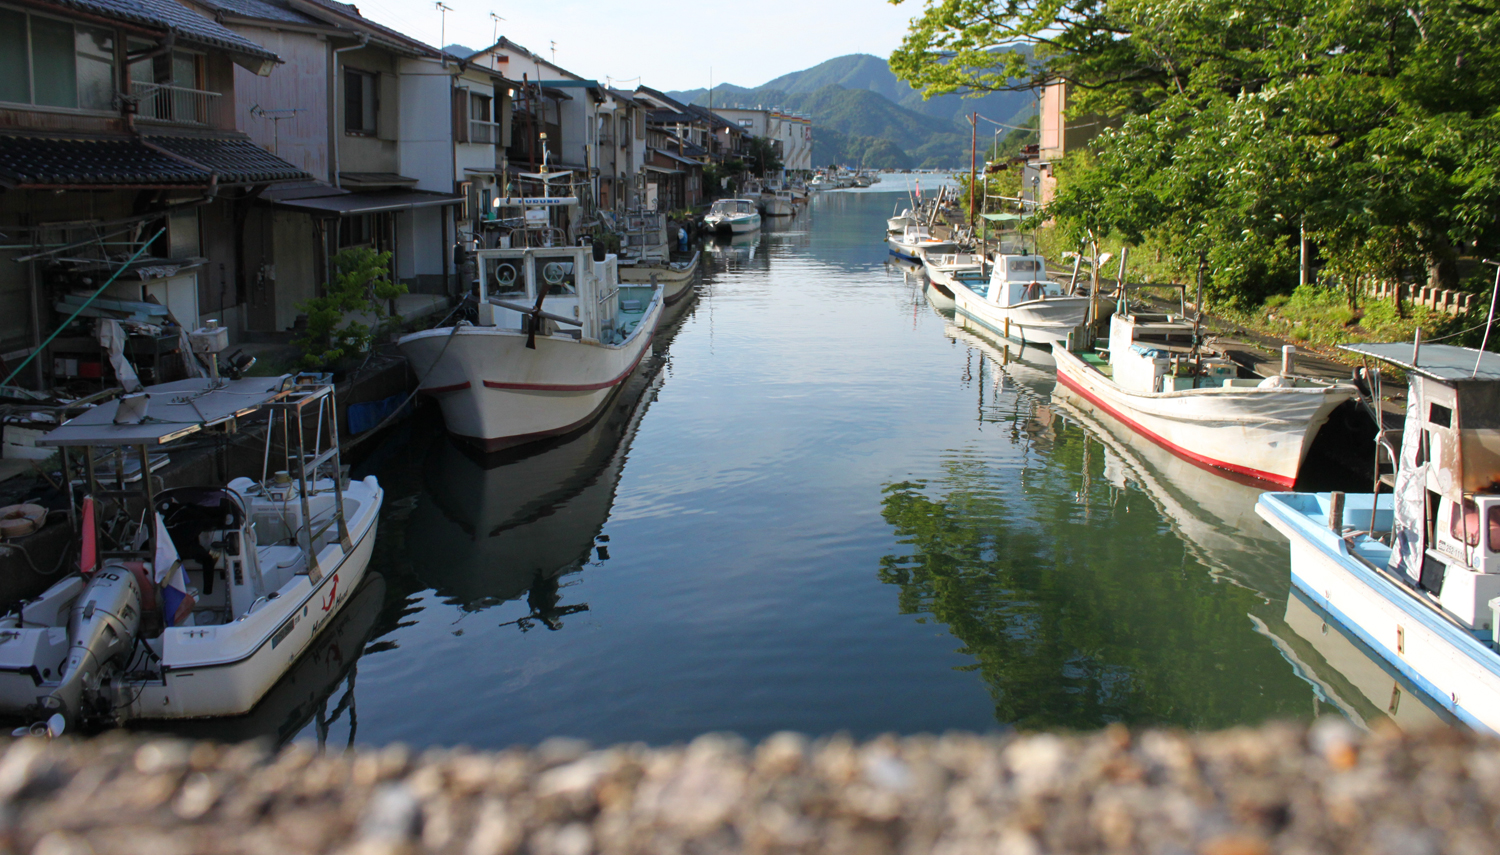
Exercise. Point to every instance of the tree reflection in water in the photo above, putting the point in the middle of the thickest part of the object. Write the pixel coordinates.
(1077, 601)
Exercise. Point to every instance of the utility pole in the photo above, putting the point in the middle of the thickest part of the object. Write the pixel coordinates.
(443, 10)
(973, 164)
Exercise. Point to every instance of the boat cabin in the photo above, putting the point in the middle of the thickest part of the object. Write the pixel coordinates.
(1446, 537)
(582, 293)
(1153, 353)
(733, 208)
(1017, 279)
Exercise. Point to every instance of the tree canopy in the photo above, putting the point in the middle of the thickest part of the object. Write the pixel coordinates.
(1233, 126)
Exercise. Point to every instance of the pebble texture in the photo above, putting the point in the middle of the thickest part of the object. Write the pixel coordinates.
(1279, 788)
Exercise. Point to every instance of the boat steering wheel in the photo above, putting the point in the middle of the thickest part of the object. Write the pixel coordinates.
(553, 273)
(505, 275)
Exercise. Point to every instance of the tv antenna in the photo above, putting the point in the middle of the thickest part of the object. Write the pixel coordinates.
(495, 36)
(443, 10)
(554, 51)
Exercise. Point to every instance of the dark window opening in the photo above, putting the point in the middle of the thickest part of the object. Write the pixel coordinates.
(1440, 415)
(359, 102)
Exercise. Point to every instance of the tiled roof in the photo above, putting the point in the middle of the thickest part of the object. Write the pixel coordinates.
(173, 161)
(264, 10)
(44, 161)
(350, 11)
(170, 15)
(236, 159)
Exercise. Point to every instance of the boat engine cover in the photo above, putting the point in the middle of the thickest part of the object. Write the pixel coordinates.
(101, 630)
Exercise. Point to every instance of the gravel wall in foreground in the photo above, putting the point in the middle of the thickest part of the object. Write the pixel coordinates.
(1279, 788)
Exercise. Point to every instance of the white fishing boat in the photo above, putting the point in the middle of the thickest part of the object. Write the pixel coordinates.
(1415, 574)
(197, 609)
(1193, 402)
(675, 277)
(1018, 300)
(778, 203)
(915, 241)
(897, 223)
(732, 216)
(556, 333)
(944, 270)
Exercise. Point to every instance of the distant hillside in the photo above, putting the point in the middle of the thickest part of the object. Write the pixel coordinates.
(862, 113)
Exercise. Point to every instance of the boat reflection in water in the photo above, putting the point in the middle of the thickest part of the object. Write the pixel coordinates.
(736, 252)
(303, 695)
(1214, 515)
(502, 527)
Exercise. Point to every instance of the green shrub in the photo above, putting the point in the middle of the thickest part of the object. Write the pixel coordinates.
(361, 283)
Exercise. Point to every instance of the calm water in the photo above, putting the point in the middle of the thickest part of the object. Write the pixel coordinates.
(823, 506)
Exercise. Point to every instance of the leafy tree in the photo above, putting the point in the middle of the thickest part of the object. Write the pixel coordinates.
(1369, 125)
(762, 157)
(361, 283)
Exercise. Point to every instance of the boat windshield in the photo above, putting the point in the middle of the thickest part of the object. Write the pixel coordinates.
(1465, 526)
(506, 277)
(558, 273)
(723, 206)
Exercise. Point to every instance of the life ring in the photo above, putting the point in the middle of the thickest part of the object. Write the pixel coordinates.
(21, 520)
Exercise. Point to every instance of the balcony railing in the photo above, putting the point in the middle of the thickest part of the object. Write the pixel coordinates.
(179, 105)
(484, 133)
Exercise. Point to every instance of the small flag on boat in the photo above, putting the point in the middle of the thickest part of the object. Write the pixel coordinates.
(88, 555)
(170, 577)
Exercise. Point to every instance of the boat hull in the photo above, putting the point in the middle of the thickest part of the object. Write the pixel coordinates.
(497, 393)
(1257, 433)
(736, 225)
(778, 207)
(1443, 660)
(208, 691)
(676, 280)
(918, 252)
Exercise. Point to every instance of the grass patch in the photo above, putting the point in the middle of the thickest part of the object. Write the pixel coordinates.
(1321, 316)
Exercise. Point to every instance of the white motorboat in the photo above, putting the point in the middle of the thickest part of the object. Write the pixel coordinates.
(1194, 403)
(944, 270)
(732, 216)
(1415, 574)
(555, 336)
(915, 241)
(1018, 300)
(197, 610)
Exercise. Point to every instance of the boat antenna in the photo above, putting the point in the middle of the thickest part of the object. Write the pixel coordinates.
(1489, 322)
(1198, 309)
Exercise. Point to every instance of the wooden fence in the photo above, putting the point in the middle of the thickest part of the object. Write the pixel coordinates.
(1439, 299)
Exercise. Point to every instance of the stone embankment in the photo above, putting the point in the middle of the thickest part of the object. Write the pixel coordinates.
(1279, 788)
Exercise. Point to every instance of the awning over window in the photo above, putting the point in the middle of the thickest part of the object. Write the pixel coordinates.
(352, 204)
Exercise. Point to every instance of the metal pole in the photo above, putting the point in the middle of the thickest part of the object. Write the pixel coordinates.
(973, 164)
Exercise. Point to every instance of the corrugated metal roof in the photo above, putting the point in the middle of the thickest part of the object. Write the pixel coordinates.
(167, 14)
(1442, 362)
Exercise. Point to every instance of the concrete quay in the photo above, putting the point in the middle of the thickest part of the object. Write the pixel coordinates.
(1252, 791)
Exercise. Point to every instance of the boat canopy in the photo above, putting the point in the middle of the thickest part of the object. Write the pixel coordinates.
(173, 410)
(1445, 363)
(733, 206)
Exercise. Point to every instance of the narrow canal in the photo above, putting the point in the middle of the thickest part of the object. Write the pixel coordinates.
(823, 505)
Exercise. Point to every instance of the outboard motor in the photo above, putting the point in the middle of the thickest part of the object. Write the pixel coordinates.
(101, 634)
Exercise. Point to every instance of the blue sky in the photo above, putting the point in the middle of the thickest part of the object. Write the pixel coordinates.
(669, 44)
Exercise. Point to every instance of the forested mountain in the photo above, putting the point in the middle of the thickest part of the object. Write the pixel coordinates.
(862, 114)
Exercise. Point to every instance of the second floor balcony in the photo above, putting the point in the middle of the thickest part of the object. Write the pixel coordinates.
(177, 105)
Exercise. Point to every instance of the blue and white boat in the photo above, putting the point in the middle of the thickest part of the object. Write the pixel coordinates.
(1415, 574)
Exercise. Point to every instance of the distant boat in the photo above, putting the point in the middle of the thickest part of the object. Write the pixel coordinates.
(1194, 403)
(556, 334)
(732, 216)
(778, 203)
(915, 241)
(1019, 301)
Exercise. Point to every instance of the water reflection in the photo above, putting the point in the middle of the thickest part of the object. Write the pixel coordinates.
(1073, 607)
(495, 529)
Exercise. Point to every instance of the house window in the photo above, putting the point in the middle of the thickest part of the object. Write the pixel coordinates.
(360, 102)
(53, 63)
(357, 230)
(479, 108)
